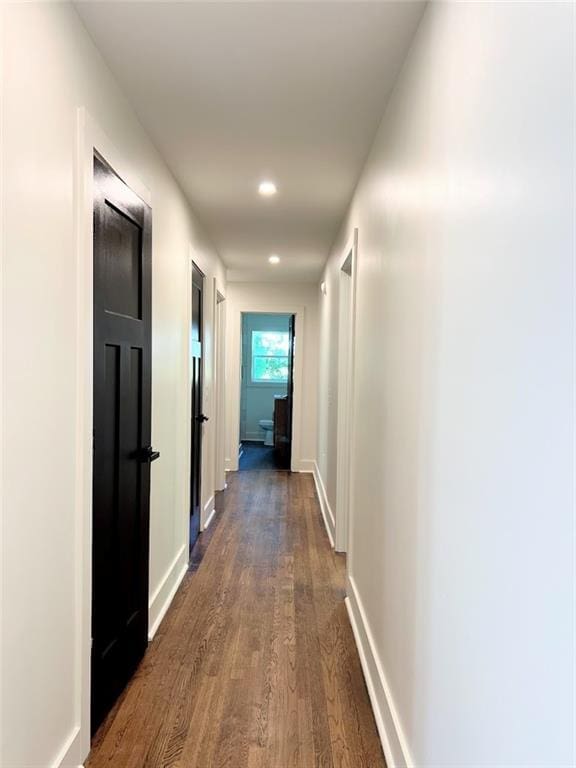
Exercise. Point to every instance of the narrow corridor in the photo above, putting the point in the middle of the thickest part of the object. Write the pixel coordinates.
(287, 373)
(255, 664)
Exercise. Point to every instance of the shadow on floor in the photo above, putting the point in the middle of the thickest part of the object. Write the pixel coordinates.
(205, 537)
(257, 456)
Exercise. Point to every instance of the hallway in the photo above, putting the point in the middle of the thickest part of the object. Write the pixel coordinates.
(255, 664)
(334, 239)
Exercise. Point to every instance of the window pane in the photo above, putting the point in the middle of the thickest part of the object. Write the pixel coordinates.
(274, 369)
(274, 343)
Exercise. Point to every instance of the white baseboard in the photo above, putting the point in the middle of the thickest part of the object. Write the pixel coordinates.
(69, 755)
(210, 518)
(327, 515)
(209, 510)
(389, 728)
(254, 437)
(164, 593)
(306, 465)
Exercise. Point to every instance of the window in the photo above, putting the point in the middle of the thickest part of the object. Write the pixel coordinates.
(270, 350)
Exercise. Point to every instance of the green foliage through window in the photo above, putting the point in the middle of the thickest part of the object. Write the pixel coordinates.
(270, 351)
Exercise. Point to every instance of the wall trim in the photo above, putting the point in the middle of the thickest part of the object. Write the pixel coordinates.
(210, 518)
(327, 514)
(219, 367)
(306, 465)
(346, 347)
(68, 755)
(390, 730)
(165, 591)
(208, 512)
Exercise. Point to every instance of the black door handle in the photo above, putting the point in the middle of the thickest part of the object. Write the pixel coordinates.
(200, 419)
(149, 454)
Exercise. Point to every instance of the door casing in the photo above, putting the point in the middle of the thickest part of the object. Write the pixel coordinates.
(219, 366)
(235, 377)
(90, 138)
(346, 343)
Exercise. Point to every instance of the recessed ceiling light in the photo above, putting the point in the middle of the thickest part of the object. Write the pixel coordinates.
(267, 188)
(274, 259)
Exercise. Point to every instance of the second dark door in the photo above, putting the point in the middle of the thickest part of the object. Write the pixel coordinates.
(198, 418)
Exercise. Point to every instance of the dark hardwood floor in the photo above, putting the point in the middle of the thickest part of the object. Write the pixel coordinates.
(254, 665)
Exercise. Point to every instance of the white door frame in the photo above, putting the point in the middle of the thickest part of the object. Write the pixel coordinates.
(346, 345)
(212, 394)
(89, 138)
(219, 307)
(235, 373)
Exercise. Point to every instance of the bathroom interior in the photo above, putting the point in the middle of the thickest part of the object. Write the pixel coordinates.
(266, 391)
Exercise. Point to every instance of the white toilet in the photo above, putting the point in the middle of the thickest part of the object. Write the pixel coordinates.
(268, 426)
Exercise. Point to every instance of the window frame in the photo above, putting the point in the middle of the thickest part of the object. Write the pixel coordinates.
(268, 382)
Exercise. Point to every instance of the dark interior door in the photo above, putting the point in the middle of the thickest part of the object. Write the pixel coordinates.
(290, 389)
(283, 409)
(198, 418)
(121, 447)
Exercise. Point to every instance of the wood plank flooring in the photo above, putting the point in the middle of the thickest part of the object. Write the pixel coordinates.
(254, 665)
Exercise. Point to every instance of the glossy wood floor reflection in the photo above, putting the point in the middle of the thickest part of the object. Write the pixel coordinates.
(255, 664)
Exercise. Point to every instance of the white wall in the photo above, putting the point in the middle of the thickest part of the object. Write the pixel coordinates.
(461, 561)
(257, 398)
(50, 68)
(270, 298)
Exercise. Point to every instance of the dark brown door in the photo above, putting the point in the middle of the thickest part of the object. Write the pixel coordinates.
(198, 418)
(122, 451)
(290, 388)
(283, 409)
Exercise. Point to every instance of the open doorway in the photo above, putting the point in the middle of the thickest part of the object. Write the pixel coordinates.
(266, 391)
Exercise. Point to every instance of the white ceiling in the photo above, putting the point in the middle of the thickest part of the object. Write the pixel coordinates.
(233, 93)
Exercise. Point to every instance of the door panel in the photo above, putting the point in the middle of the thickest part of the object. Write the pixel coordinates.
(121, 469)
(122, 268)
(283, 410)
